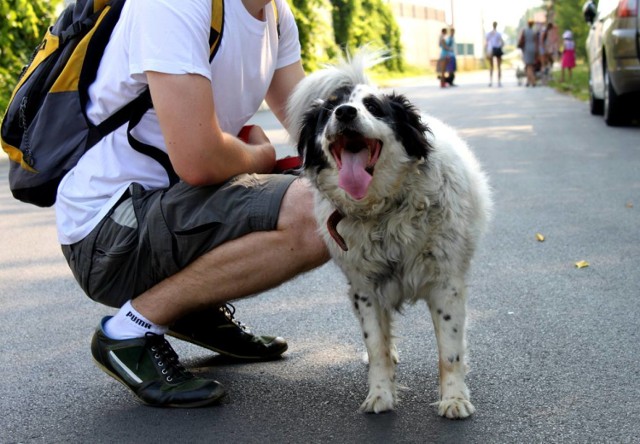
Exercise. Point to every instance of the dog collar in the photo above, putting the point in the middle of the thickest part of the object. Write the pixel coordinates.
(332, 226)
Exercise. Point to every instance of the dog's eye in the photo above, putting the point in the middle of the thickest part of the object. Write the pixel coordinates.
(373, 107)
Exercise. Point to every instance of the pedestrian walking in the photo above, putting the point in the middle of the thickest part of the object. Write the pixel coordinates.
(552, 49)
(494, 44)
(528, 43)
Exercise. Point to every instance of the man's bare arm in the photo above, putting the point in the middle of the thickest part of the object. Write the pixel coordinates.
(200, 152)
(284, 81)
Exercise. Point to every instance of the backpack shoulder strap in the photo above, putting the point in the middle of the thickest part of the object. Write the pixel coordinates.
(136, 109)
(217, 26)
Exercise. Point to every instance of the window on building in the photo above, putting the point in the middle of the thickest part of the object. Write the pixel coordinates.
(463, 49)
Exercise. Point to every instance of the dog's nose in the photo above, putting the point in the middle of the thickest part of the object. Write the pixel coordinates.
(346, 113)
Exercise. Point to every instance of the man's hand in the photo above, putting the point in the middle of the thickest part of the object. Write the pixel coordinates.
(256, 138)
(200, 152)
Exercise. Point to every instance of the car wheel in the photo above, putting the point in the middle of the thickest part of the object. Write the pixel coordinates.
(596, 106)
(613, 106)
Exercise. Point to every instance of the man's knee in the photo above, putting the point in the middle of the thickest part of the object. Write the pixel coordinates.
(297, 219)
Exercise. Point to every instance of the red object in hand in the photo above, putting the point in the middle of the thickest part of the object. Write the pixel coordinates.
(287, 163)
(244, 133)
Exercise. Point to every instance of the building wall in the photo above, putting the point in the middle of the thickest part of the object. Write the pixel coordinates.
(420, 27)
(421, 21)
(467, 16)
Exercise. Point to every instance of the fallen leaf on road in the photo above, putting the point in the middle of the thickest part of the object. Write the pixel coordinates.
(582, 264)
(540, 237)
(629, 205)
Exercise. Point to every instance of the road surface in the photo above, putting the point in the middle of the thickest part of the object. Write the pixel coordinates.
(554, 349)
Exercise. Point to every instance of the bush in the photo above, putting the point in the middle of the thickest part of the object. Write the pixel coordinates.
(576, 86)
(22, 25)
(314, 21)
(324, 25)
(363, 22)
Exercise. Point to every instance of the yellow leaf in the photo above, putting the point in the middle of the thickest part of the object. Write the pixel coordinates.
(582, 264)
(540, 237)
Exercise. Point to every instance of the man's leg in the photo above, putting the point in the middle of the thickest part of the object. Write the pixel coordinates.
(490, 70)
(250, 263)
(244, 266)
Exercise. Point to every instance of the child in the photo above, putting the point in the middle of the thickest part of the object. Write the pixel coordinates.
(568, 53)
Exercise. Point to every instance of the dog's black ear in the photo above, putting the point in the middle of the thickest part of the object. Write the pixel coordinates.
(311, 127)
(409, 126)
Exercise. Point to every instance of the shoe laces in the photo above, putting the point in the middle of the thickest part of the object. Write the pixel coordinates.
(228, 310)
(166, 359)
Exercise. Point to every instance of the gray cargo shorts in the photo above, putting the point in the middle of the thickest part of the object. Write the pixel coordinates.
(152, 234)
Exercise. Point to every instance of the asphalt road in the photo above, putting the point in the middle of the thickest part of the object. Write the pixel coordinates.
(554, 350)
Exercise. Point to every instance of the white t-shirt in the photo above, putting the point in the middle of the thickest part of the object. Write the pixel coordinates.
(494, 40)
(171, 37)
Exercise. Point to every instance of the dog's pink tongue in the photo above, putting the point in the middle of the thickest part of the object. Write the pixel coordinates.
(353, 178)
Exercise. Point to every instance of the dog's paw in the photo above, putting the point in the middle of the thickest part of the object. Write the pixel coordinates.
(395, 356)
(378, 401)
(455, 408)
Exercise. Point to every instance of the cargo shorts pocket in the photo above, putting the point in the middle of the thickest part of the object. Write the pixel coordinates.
(113, 264)
(191, 242)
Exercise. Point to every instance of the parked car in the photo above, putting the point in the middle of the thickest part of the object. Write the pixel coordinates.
(613, 51)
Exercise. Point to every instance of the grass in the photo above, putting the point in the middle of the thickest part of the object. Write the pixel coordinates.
(576, 86)
(383, 77)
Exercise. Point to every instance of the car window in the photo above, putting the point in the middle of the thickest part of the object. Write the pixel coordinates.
(606, 6)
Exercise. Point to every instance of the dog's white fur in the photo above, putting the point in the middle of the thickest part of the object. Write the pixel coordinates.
(411, 237)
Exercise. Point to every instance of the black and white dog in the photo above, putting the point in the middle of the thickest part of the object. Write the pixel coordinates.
(401, 202)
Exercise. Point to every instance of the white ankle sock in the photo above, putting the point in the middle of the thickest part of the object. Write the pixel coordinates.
(129, 324)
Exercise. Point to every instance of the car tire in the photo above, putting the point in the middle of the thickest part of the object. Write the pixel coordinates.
(596, 106)
(613, 106)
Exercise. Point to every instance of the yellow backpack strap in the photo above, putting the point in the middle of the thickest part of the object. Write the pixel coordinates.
(217, 26)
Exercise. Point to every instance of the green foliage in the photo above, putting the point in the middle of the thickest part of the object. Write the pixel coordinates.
(576, 86)
(367, 22)
(511, 35)
(568, 15)
(343, 14)
(22, 25)
(324, 25)
(313, 18)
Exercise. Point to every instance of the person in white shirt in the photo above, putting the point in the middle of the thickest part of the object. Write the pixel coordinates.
(494, 44)
(170, 255)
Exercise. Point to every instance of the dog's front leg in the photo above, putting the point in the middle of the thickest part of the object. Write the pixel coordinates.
(448, 311)
(376, 330)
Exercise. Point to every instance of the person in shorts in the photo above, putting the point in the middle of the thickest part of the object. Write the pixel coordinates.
(494, 44)
(170, 255)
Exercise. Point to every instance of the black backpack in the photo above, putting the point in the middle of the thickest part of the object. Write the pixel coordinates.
(45, 129)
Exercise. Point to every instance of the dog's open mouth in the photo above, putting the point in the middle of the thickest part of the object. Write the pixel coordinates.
(356, 157)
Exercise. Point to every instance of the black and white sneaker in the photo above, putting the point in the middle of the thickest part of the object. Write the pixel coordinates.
(217, 329)
(150, 368)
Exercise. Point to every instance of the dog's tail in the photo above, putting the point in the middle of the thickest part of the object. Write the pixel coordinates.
(348, 71)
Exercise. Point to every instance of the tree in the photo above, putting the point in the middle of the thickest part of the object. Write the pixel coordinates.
(314, 21)
(367, 22)
(568, 16)
(22, 26)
